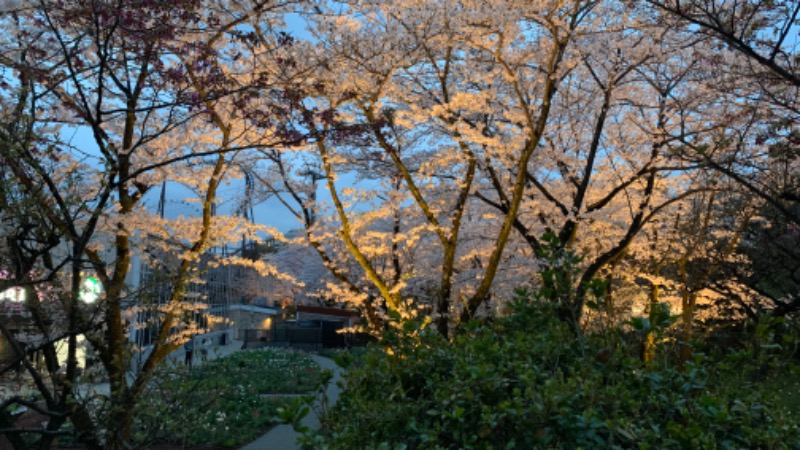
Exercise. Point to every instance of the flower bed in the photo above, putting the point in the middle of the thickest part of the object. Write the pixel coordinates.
(225, 402)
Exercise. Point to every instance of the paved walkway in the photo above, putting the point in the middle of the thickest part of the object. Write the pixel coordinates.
(283, 437)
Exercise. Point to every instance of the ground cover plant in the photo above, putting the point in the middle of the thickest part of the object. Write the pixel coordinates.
(225, 402)
(527, 381)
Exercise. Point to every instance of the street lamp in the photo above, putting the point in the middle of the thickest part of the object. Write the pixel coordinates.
(90, 290)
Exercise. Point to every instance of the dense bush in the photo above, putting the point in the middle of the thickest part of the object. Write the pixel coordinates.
(526, 381)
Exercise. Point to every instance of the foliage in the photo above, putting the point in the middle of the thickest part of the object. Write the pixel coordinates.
(525, 381)
(227, 401)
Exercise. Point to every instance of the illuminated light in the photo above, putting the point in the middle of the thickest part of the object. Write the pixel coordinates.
(14, 294)
(90, 290)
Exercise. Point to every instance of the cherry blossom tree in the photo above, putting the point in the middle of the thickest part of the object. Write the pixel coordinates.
(474, 129)
(395, 98)
(751, 67)
(756, 60)
(559, 94)
(413, 88)
(158, 88)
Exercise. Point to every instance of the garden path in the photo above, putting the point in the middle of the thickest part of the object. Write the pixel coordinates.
(283, 437)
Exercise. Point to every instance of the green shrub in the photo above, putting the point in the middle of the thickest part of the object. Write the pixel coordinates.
(526, 382)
